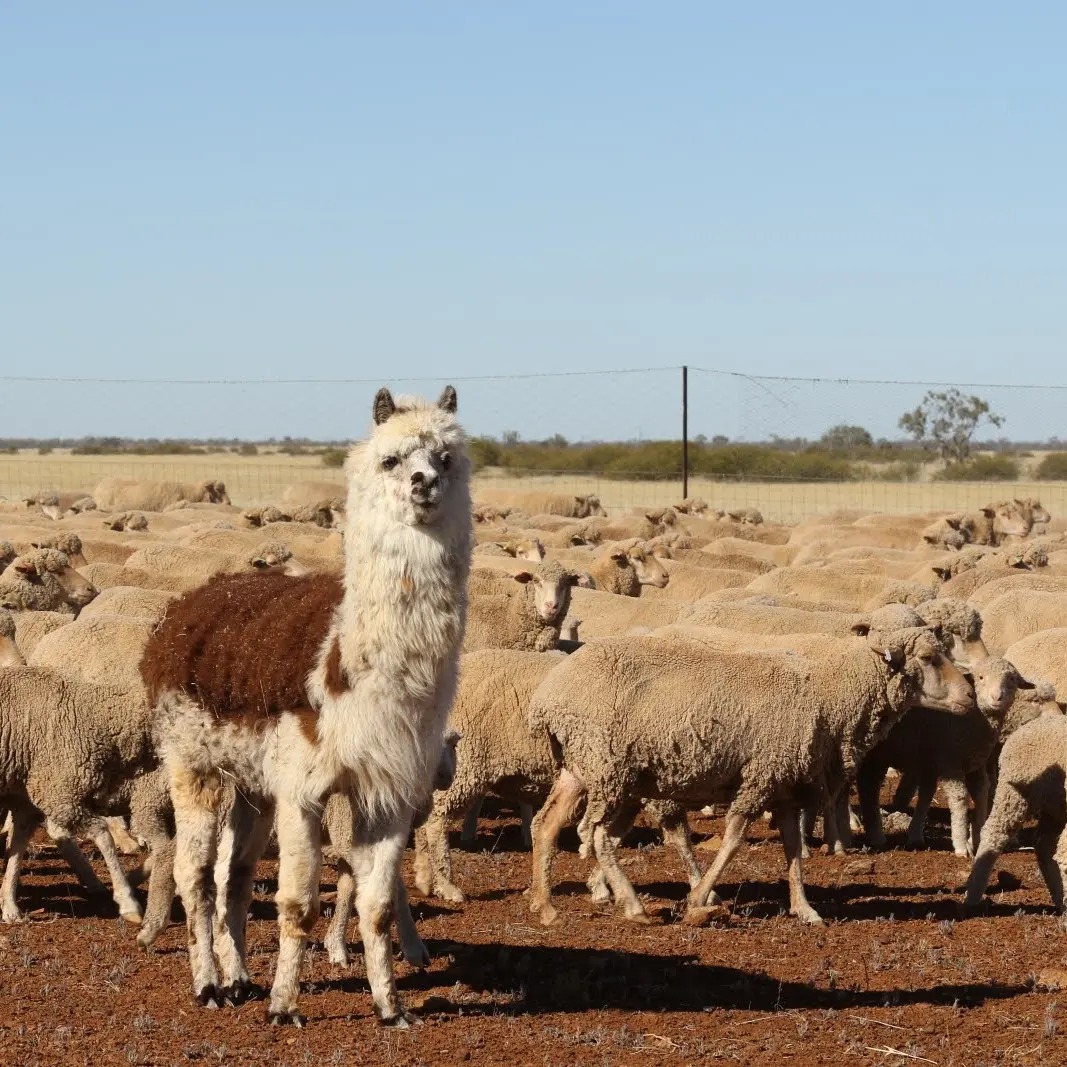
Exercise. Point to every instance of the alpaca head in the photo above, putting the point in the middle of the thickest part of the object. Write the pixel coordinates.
(415, 462)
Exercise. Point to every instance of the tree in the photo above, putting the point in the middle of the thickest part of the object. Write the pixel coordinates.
(845, 438)
(947, 421)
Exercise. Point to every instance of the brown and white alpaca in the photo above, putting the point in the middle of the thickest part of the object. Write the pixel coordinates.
(296, 688)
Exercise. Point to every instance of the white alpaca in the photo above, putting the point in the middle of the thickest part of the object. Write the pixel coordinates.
(296, 688)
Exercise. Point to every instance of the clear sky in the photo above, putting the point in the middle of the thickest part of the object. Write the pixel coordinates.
(451, 189)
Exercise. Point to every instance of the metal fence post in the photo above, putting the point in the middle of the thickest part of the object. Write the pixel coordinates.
(685, 432)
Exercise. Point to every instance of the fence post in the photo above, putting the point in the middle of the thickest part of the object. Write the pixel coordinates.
(685, 432)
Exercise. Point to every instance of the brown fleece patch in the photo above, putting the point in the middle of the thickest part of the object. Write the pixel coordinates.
(335, 680)
(308, 720)
(242, 645)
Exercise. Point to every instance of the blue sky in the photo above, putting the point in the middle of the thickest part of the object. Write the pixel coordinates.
(457, 189)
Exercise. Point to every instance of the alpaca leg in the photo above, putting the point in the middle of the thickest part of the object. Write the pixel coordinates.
(376, 859)
(196, 841)
(789, 825)
(916, 837)
(621, 887)
(1010, 811)
(1044, 847)
(411, 945)
(299, 861)
(559, 810)
(470, 822)
(956, 792)
(249, 832)
(24, 821)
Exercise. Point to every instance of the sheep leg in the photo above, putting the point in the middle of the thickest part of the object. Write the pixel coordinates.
(23, 822)
(195, 846)
(904, 791)
(376, 861)
(597, 882)
(411, 945)
(1044, 847)
(956, 792)
(336, 940)
(674, 826)
(559, 810)
(621, 886)
(470, 822)
(161, 890)
(790, 829)
(927, 788)
(526, 814)
(299, 862)
(1010, 811)
(733, 838)
(83, 871)
(249, 830)
(978, 787)
(121, 892)
(433, 868)
(1060, 859)
(125, 842)
(869, 784)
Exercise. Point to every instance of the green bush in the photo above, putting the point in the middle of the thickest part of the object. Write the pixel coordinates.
(1053, 468)
(981, 469)
(247, 449)
(333, 457)
(902, 471)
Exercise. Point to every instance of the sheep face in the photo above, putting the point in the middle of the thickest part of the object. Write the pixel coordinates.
(1012, 519)
(942, 684)
(52, 567)
(996, 682)
(551, 593)
(532, 550)
(215, 493)
(649, 569)
(589, 507)
(1037, 512)
(446, 765)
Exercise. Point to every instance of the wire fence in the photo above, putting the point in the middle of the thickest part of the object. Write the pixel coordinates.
(634, 405)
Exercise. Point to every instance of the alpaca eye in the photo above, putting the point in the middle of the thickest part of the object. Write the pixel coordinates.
(446, 460)
(390, 462)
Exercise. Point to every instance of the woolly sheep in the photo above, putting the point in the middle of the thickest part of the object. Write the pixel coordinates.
(43, 580)
(691, 584)
(1030, 785)
(779, 555)
(134, 521)
(10, 656)
(499, 753)
(69, 543)
(1020, 613)
(132, 494)
(674, 719)
(31, 627)
(101, 649)
(301, 494)
(7, 554)
(607, 615)
(523, 611)
(825, 585)
(201, 564)
(528, 548)
(108, 575)
(1043, 655)
(625, 568)
(1016, 581)
(130, 601)
(936, 747)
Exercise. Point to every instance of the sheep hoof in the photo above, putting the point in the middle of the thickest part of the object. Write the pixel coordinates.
(236, 993)
(416, 955)
(403, 1020)
(133, 917)
(548, 915)
(337, 954)
(810, 916)
(452, 894)
(703, 916)
(209, 997)
(287, 1018)
(642, 918)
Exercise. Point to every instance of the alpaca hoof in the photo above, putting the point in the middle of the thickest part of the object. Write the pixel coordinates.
(337, 954)
(209, 997)
(146, 936)
(236, 993)
(600, 894)
(287, 1018)
(416, 955)
(12, 916)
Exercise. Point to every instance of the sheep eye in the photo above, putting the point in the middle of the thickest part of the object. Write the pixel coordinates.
(390, 462)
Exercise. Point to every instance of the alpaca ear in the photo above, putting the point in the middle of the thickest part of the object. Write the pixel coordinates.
(448, 400)
(384, 406)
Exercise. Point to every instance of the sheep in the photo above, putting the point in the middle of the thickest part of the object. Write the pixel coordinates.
(499, 753)
(691, 584)
(56, 504)
(324, 513)
(301, 494)
(521, 611)
(945, 533)
(109, 575)
(626, 567)
(134, 521)
(69, 543)
(932, 746)
(69, 753)
(1042, 655)
(607, 615)
(672, 718)
(132, 494)
(10, 656)
(7, 555)
(975, 568)
(200, 563)
(779, 555)
(1020, 613)
(261, 516)
(1030, 785)
(693, 505)
(31, 627)
(535, 502)
(43, 580)
(529, 548)
(960, 622)
(99, 649)
(746, 516)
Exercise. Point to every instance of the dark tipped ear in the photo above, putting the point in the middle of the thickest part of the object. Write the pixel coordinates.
(448, 400)
(523, 577)
(383, 406)
(1022, 683)
(572, 578)
(943, 573)
(861, 629)
(620, 558)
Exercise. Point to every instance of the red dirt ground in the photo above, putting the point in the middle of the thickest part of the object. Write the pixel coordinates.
(894, 978)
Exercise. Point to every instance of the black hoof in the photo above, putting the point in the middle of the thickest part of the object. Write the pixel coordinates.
(237, 993)
(286, 1018)
(209, 997)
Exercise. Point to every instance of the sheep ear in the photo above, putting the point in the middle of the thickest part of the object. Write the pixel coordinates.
(1022, 683)
(384, 406)
(579, 499)
(944, 573)
(954, 523)
(620, 558)
(894, 657)
(448, 400)
(25, 566)
(989, 513)
(573, 579)
(260, 563)
(584, 580)
(861, 629)
(523, 577)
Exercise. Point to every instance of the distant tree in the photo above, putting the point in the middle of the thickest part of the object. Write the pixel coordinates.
(510, 437)
(845, 438)
(946, 422)
(557, 440)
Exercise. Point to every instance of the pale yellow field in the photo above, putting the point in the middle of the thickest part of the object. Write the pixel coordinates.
(261, 479)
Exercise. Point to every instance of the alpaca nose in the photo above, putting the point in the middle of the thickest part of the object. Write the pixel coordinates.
(424, 478)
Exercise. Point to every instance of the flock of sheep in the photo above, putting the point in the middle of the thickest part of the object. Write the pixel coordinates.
(658, 661)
